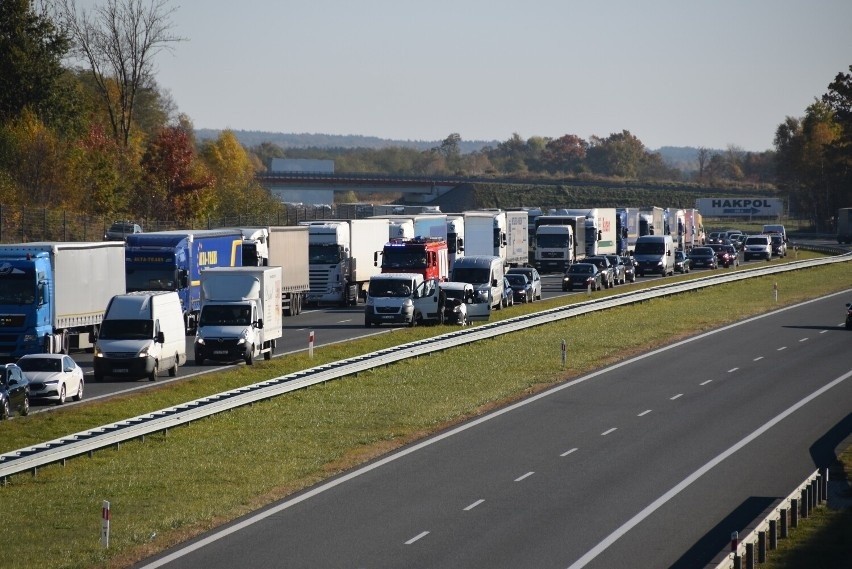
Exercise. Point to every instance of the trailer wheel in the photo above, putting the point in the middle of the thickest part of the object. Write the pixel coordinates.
(63, 348)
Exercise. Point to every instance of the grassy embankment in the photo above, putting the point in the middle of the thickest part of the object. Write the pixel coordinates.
(175, 486)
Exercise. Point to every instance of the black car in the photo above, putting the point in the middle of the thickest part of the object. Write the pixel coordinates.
(682, 262)
(629, 269)
(583, 275)
(14, 391)
(522, 289)
(605, 267)
(119, 230)
(703, 257)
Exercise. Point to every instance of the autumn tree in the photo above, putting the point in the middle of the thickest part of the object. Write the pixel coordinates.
(119, 40)
(565, 154)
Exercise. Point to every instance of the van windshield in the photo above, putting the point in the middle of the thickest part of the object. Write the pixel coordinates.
(388, 288)
(649, 248)
(126, 329)
(471, 275)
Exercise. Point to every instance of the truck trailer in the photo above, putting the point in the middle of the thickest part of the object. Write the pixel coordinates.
(485, 233)
(173, 261)
(241, 314)
(517, 238)
(53, 295)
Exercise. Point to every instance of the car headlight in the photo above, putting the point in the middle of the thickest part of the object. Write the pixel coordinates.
(143, 353)
(407, 303)
(99, 353)
(199, 340)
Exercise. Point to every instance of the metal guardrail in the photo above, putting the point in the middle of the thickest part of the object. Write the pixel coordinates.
(86, 442)
(763, 535)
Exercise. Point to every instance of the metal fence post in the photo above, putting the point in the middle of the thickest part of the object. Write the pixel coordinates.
(773, 534)
(783, 523)
(749, 555)
(761, 547)
(794, 513)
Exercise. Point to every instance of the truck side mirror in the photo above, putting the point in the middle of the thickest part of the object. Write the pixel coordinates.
(493, 282)
(183, 280)
(259, 324)
(161, 338)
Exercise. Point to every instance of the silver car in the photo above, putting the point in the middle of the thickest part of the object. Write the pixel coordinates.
(533, 276)
(53, 377)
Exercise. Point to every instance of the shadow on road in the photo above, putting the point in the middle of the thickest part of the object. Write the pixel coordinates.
(824, 453)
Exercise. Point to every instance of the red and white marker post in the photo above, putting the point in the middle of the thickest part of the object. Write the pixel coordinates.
(105, 515)
(311, 344)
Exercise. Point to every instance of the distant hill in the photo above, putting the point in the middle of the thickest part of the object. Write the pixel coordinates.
(683, 158)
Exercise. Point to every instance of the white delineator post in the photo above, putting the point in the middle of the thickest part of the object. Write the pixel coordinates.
(564, 353)
(105, 524)
(775, 291)
(311, 344)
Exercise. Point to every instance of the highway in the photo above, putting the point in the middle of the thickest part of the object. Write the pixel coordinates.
(652, 462)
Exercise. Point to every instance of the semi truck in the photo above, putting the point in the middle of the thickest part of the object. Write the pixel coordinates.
(341, 257)
(455, 238)
(674, 225)
(626, 229)
(421, 225)
(285, 247)
(241, 314)
(600, 228)
(650, 221)
(694, 235)
(560, 240)
(53, 295)
(173, 261)
(485, 233)
(427, 256)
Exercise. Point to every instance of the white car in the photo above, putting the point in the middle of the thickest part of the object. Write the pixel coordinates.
(54, 377)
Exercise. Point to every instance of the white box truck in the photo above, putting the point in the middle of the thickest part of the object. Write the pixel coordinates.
(517, 238)
(485, 233)
(240, 314)
(455, 238)
(341, 255)
(53, 295)
(601, 235)
(285, 247)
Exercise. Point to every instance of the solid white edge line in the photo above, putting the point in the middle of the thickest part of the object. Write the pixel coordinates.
(659, 502)
(252, 519)
(416, 537)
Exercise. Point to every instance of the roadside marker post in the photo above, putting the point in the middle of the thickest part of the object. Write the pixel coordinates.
(564, 353)
(775, 291)
(311, 344)
(105, 515)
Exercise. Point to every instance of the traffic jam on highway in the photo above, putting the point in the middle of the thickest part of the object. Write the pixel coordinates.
(145, 304)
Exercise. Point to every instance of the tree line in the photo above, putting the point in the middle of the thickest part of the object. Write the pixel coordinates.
(101, 137)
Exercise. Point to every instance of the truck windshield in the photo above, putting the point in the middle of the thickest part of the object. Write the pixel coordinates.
(17, 289)
(552, 241)
(395, 258)
(118, 329)
(250, 258)
(471, 275)
(151, 279)
(388, 288)
(225, 315)
(452, 243)
(324, 254)
(644, 248)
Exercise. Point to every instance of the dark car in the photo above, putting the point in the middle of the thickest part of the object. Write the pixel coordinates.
(508, 295)
(779, 248)
(726, 255)
(681, 262)
(14, 391)
(605, 267)
(582, 275)
(521, 288)
(629, 269)
(619, 271)
(119, 230)
(703, 257)
(715, 237)
(532, 275)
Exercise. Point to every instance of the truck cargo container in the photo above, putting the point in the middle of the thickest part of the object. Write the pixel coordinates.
(600, 229)
(455, 238)
(650, 221)
(517, 238)
(694, 235)
(173, 260)
(626, 229)
(240, 314)
(485, 233)
(53, 295)
(674, 225)
(281, 246)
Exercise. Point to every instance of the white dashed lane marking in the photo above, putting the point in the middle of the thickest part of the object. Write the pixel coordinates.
(612, 430)
(472, 506)
(706, 382)
(416, 537)
(527, 475)
(567, 452)
(643, 413)
(676, 397)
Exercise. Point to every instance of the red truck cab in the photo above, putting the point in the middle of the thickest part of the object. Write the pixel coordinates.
(425, 255)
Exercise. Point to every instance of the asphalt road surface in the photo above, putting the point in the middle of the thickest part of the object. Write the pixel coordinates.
(649, 463)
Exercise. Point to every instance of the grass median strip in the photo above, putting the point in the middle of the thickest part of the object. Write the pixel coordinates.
(175, 486)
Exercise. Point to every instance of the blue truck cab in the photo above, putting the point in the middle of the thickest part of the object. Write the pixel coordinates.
(173, 261)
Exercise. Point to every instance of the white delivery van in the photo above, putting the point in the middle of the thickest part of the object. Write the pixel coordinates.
(485, 273)
(142, 333)
(402, 298)
(654, 254)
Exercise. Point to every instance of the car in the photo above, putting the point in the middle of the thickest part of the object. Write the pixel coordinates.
(682, 262)
(726, 255)
(508, 295)
(583, 275)
(740, 242)
(53, 377)
(619, 271)
(703, 257)
(779, 247)
(119, 230)
(715, 237)
(462, 304)
(758, 247)
(629, 269)
(14, 391)
(605, 267)
(532, 275)
(521, 288)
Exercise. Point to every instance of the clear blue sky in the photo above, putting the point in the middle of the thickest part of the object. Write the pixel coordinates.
(672, 72)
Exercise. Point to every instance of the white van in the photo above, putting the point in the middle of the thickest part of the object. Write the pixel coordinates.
(485, 273)
(402, 298)
(141, 334)
(776, 228)
(654, 254)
